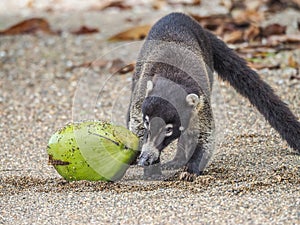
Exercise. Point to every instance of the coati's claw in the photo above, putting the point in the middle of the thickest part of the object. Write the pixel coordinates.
(186, 176)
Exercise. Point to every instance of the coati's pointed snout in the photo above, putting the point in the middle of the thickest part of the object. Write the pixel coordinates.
(144, 160)
(147, 159)
(149, 155)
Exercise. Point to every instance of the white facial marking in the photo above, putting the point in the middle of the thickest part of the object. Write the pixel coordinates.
(169, 130)
(146, 123)
(192, 99)
(149, 87)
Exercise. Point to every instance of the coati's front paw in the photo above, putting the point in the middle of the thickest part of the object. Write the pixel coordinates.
(186, 176)
(189, 173)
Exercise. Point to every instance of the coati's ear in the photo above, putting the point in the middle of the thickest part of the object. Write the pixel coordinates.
(192, 99)
(149, 87)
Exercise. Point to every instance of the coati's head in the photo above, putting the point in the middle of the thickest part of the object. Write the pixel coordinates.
(166, 115)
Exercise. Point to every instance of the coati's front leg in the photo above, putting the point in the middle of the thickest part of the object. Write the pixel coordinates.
(198, 142)
(197, 162)
(197, 153)
(178, 161)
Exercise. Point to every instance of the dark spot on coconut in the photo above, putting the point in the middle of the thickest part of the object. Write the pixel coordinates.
(56, 162)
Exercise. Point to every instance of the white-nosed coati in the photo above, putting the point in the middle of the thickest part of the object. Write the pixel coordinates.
(171, 94)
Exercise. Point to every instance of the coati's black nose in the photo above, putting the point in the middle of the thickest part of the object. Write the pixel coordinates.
(144, 160)
(147, 159)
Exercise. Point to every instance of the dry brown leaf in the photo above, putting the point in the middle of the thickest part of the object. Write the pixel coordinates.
(158, 4)
(255, 50)
(212, 22)
(118, 4)
(252, 33)
(259, 66)
(135, 33)
(292, 62)
(101, 63)
(273, 29)
(234, 37)
(288, 38)
(129, 68)
(196, 2)
(241, 16)
(111, 4)
(29, 26)
(184, 2)
(85, 30)
(116, 66)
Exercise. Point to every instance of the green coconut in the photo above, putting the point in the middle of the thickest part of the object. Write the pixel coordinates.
(92, 150)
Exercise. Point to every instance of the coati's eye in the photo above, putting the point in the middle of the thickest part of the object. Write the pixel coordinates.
(169, 130)
(146, 122)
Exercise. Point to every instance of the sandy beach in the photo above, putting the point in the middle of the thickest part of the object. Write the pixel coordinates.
(253, 178)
